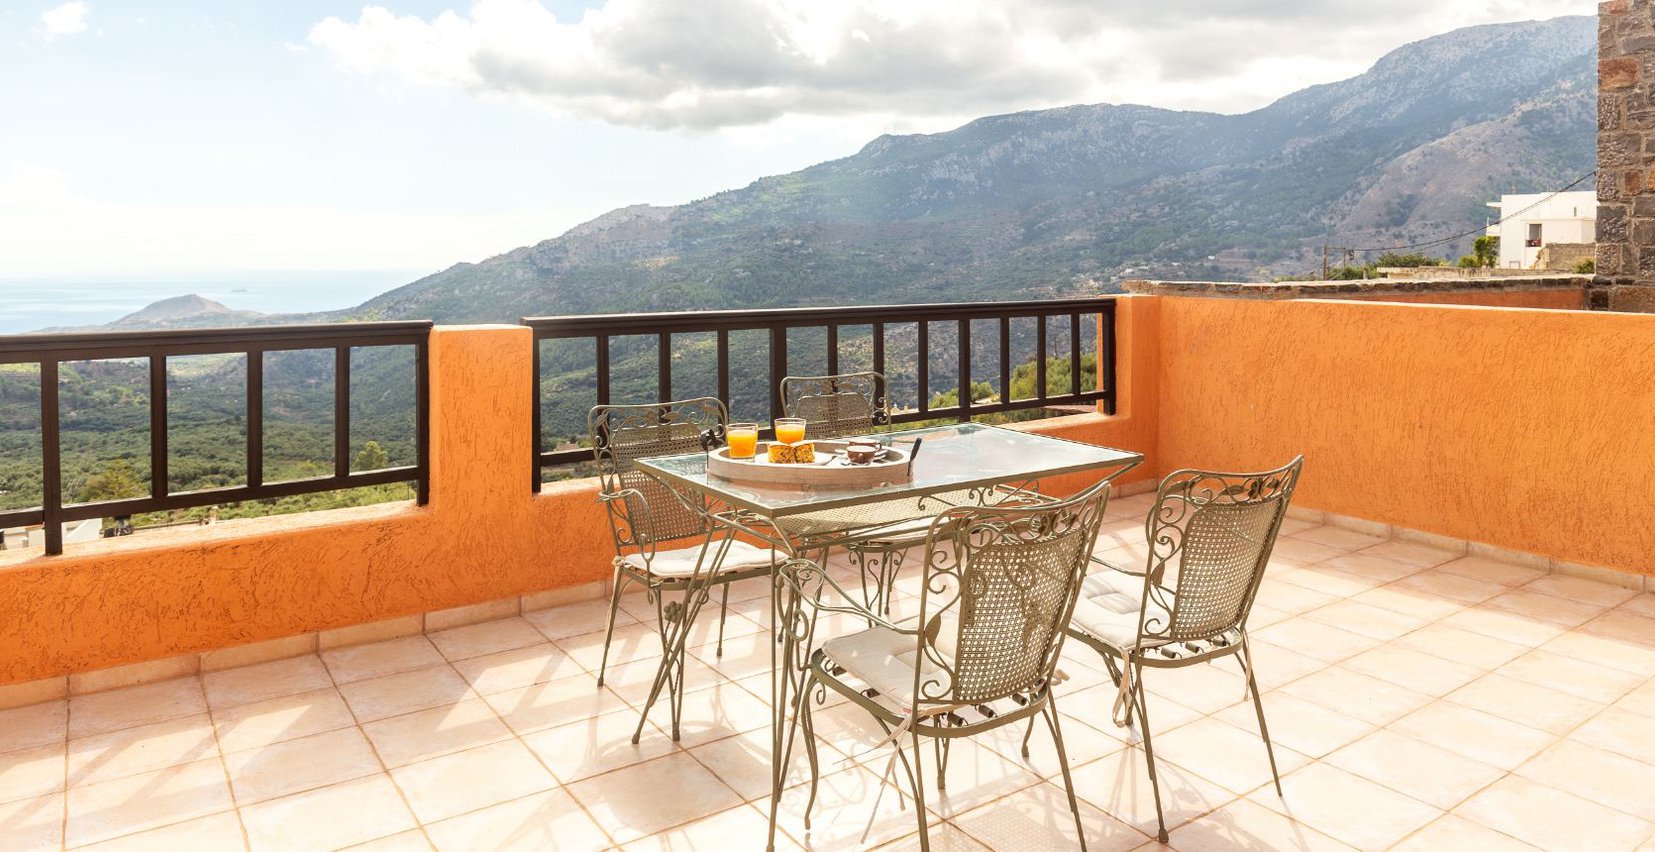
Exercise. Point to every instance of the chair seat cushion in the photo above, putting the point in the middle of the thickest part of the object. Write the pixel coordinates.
(680, 563)
(1108, 608)
(884, 659)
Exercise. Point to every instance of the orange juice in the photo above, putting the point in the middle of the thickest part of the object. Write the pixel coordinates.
(790, 430)
(743, 439)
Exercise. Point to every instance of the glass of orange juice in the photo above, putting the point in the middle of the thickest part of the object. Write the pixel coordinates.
(743, 439)
(790, 430)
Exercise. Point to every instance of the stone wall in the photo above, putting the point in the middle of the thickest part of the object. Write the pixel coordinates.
(1564, 257)
(1626, 153)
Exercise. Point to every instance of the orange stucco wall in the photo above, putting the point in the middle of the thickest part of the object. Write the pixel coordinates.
(1526, 429)
(1563, 298)
(482, 537)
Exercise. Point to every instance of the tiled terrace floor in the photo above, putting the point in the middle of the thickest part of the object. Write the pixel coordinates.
(1418, 700)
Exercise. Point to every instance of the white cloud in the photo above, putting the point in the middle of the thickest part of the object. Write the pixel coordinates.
(68, 19)
(741, 63)
(47, 229)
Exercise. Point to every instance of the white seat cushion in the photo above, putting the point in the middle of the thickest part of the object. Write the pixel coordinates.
(1108, 608)
(680, 563)
(884, 659)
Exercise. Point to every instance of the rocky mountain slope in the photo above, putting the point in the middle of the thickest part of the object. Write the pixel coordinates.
(1072, 200)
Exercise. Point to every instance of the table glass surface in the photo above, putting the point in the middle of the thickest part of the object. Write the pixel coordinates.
(952, 458)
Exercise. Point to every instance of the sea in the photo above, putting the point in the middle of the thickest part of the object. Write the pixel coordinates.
(34, 304)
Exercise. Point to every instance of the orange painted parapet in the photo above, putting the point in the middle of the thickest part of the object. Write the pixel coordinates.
(483, 537)
(1525, 429)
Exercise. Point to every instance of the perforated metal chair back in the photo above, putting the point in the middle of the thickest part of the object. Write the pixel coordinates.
(644, 512)
(1000, 584)
(1213, 533)
(836, 406)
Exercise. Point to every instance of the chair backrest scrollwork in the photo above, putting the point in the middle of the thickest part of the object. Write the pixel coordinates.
(838, 405)
(644, 512)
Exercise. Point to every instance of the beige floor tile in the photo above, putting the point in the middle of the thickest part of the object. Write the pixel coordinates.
(1415, 602)
(1347, 808)
(1420, 770)
(1505, 624)
(1205, 687)
(1551, 818)
(596, 745)
(424, 734)
(549, 820)
(1297, 549)
(1463, 646)
(1643, 605)
(33, 824)
(274, 720)
(1039, 818)
(632, 680)
(1620, 732)
(1445, 583)
(1313, 639)
(1371, 621)
(215, 831)
(148, 800)
(1454, 832)
(1367, 698)
(31, 773)
(362, 662)
(297, 765)
(1525, 703)
(102, 712)
(412, 840)
(1225, 754)
(631, 642)
(744, 656)
(131, 751)
(1554, 612)
(1624, 625)
(1410, 553)
(1322, 577)
(1243, 824)
(248, 684)
(713, 834)
(475, 640)
(976, 775)
(1597, 775)
(477, 778)
(1372, 568)
(328, 817)
(1605, 651)
(34, 725)
(557, 702)
(1640, 700)
(1338, 537)
(396, 694)
(1083, 744)
(1576, 677)
(1474, 734)
(720, 711)
(562, 622)
(1301, 725)
(1119, 784)
(1290, 598)
(1276, 666)
(646, 798)
(849, 804)
(1492, 570)
(1415, 670)
(743, 762)
(1581, 590)
(516, 668)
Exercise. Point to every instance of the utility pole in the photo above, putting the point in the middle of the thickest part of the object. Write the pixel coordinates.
(1325, 271)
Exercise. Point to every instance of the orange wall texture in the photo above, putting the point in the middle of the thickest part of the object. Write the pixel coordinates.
(1526, 429)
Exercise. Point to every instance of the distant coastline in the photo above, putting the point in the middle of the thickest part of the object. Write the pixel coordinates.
(33, 304)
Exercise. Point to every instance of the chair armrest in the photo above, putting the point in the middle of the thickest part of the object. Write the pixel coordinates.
(849, 607)
(1118, 568)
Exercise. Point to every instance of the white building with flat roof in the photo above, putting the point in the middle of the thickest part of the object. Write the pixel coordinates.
(1540, 219)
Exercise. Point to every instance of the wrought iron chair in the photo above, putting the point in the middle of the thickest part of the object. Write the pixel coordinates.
(1210, 536)
(999, 584)
(663, 538)
(840, 406)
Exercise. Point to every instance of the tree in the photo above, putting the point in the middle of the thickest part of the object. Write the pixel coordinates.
(1586, 267)
(1487, 250)
(1415, 259)
(371, 457)
(117, 481)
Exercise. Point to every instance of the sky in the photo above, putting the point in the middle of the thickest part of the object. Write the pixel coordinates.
(151, 139)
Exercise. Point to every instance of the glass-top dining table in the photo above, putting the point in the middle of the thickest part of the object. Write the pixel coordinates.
(964, 464)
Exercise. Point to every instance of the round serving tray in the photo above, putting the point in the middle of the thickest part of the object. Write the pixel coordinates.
(830, 470)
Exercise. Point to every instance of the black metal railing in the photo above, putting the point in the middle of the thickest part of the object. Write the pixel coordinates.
(1064, 316)
(49, 351)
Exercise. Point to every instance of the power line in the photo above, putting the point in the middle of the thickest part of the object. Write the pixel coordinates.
(1576, 182)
